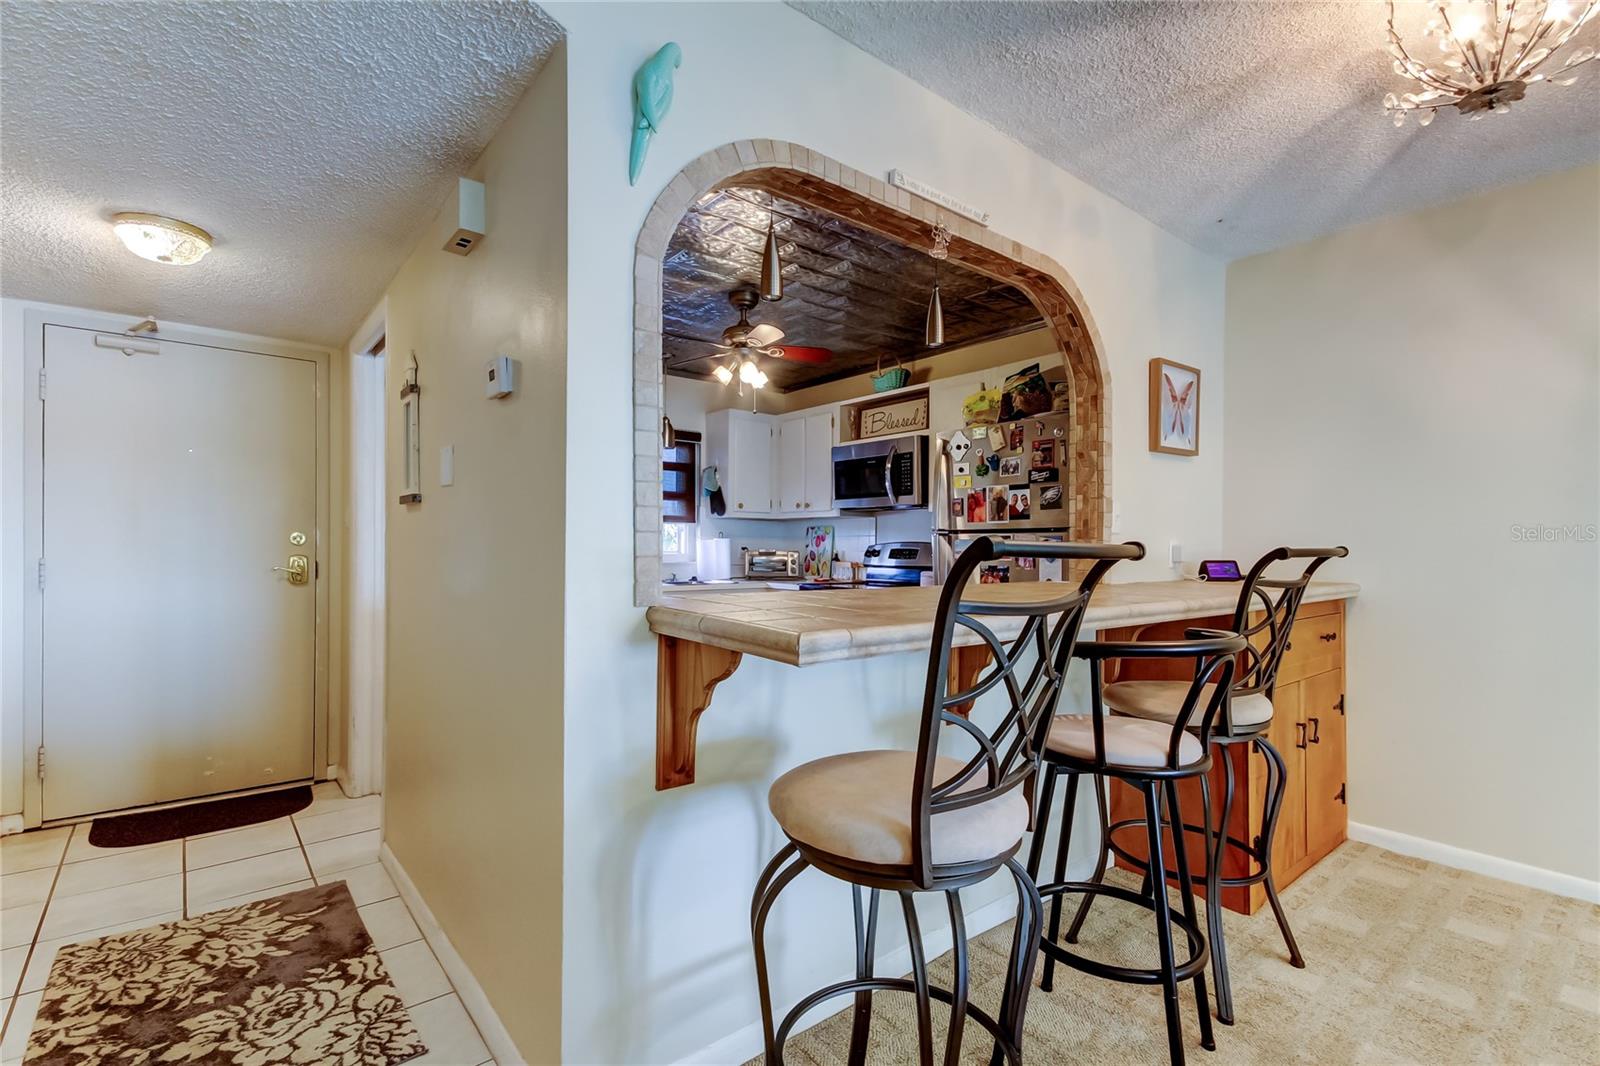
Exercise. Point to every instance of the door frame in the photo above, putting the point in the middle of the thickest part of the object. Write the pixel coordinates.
(34, 322)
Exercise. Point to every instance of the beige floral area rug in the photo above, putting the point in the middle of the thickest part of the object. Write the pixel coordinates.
(292, 979)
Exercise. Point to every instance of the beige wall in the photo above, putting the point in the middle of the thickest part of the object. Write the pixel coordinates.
(1418, 388)
(473, 792)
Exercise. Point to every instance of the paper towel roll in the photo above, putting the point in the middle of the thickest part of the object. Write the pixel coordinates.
(714, 559)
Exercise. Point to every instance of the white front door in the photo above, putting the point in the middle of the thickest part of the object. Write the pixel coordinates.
(177, 661)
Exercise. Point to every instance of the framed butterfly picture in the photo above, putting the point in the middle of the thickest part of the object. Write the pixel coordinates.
(1174, 408)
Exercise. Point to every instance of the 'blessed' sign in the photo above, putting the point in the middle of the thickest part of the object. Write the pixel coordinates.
(898, 416)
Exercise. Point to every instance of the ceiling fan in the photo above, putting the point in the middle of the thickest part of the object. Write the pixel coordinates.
(742, 342)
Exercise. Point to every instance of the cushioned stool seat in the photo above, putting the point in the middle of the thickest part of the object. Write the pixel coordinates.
(858, 806)
(1160, 701)
(1129, 741)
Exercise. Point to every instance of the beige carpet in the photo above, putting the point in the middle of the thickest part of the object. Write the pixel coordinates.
(1407, 962)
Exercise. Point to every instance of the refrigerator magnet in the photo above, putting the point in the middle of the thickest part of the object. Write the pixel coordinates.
(963, 481)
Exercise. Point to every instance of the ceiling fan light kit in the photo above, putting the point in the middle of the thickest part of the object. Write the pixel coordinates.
(1490, 52)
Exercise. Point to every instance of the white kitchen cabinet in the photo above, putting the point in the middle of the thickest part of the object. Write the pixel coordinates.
(741, 445)
(804, 473)
(791, 466)
(819, 462)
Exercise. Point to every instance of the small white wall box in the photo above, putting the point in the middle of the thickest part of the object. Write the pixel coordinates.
(499, 377)
(469, 217)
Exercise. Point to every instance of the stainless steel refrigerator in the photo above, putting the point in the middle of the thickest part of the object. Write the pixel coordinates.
(1009, 482)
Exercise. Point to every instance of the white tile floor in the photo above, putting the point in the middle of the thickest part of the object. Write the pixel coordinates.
(56, 888)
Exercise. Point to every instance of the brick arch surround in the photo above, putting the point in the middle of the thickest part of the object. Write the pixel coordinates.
(798, 173)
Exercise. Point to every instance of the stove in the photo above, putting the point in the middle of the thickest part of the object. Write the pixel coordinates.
(898, 563)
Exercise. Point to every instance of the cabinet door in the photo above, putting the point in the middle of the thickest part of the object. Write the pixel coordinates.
(1326, 813)
(818, 495)
(791, 466)
(1289, 842)
(750, 467)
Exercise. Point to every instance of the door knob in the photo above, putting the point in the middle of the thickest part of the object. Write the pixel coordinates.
(299, 569)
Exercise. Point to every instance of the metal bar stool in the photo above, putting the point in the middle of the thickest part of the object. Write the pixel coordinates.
(916, 821)
(1152, 757)
(1246, 717)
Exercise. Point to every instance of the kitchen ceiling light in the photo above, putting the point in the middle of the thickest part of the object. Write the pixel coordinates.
(723, 374)
(1491, 52)
(933, 329)
(160, 239)
(771, 265)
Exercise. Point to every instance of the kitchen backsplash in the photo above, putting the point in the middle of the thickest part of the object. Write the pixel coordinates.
(853, 534)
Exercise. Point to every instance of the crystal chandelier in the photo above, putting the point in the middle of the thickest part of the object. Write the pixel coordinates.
(1489, 52)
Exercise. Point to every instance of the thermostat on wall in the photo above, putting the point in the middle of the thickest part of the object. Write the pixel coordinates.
(500, 377)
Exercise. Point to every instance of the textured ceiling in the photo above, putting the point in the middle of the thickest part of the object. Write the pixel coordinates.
(312, 140)
(845, 288)
(1239, 127)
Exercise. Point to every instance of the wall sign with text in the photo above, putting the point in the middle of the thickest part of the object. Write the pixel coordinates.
(891, 417)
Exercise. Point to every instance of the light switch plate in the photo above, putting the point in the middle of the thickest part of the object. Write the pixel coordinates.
(447, 465)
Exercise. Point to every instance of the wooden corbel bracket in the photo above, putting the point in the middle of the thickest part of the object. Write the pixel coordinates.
(687, 672)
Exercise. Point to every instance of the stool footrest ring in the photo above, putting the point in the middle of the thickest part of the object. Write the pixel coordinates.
(1200, 955)
(890, 984)
(1134, 862)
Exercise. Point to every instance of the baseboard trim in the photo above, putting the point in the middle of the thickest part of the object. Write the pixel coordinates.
(501, 1046)
(1477, 862)
(745, 1044)
(11, 823)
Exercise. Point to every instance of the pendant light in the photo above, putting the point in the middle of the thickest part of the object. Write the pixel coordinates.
(771, 265)
(933, 330)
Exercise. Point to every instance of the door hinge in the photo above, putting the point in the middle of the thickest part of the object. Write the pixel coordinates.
(41, 762)
(41, 573)
(41, 384)
(1340, 796)
(1340, 704)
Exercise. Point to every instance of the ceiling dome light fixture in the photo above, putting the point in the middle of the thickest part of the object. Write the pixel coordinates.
(1491, 52)
(161, 239)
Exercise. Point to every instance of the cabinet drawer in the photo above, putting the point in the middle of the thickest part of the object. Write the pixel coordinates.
(1316, 645)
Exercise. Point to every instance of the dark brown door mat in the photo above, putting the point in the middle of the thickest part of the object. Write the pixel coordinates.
(152, 827)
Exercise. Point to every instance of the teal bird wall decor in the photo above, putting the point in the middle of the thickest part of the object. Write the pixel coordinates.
(652, 99)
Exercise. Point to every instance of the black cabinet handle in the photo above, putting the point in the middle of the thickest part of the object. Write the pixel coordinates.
(1316, 731)
(1301, 742)
(1330, 637)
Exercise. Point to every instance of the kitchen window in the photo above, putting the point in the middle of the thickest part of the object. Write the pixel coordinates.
(679, 497)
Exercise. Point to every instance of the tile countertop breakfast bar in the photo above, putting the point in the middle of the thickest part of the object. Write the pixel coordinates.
(703, 636)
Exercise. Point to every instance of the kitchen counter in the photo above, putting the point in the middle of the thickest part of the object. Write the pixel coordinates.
(703, 635)
(803, 628)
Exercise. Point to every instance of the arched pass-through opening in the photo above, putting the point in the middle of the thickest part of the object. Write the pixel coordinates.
(801, 174)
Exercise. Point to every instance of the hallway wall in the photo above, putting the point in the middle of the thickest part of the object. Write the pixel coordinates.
(473, 781)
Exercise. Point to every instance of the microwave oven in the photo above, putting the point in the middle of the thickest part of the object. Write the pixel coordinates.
(890, 474)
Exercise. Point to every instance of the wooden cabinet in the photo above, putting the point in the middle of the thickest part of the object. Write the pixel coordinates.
(741, 445)
(804, 465)
(1308, 730)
